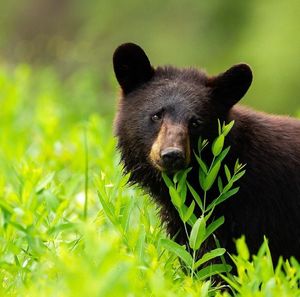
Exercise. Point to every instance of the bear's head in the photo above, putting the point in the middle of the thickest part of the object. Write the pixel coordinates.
(163, 111)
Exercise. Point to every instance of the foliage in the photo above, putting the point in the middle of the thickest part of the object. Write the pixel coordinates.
(259, 277)
(201, 229)
(69, 224)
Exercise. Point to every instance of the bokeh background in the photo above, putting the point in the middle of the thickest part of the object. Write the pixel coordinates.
(73, 42)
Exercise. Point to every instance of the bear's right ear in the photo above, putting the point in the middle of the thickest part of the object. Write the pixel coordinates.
(230, 86)
(132, 66)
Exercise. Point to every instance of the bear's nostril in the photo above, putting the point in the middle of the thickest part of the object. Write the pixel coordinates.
(172, 158)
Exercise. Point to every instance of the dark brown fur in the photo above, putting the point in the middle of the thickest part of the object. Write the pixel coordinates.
(268, 202)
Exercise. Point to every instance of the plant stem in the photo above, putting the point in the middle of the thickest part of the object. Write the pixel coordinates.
(204, 202)
(186, 232)
(86, 173)
(204, 198)
(211, 164)
(193, 264)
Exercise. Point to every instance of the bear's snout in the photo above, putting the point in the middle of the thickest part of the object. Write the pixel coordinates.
(171, 149)
(173, 159)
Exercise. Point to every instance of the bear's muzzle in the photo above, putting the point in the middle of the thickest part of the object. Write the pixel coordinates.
(171, 149)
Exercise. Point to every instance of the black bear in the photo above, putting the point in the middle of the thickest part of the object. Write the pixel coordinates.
(161, 114)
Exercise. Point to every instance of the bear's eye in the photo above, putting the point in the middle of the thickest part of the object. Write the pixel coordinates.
(195, 123)
(156, 117)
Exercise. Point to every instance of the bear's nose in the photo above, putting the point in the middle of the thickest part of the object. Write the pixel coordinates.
(172, 159)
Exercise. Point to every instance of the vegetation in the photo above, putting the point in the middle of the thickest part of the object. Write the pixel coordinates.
(69, 224)
(201, 229)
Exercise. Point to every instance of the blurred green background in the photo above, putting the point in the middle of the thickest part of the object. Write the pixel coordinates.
(72, 42)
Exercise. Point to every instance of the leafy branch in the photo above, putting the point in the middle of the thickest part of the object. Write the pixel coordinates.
(201, 229)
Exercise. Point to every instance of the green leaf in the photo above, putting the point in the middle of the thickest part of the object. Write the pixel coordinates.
(44, 182)
(181, 187)
(209, 256)
(214, 226)
(175, 197)
(211, 176)
(222, 198)
(219, 127)
(212, 270)
(186, 171)
(180, 176)
(205, 289)
(199, 146)
(238, 176)
(204, 143)
(195, 196)
(176, 177)
(226, 129)
(227, 173)
(61, 227)
(18, 226)
(183, 192)
(222, 155)
(5, 206)
(140, 244)
(167, 180)
(217, 145)
(197, 234)
(177, 250)
(126, 213)
(192, 219)
(208, 215)
(107, 207)
(220, 184)
(202, 177)
(228, 186)
(238, 167)
(232, 283)
(242, 248)
(202, 164)
(188, 213)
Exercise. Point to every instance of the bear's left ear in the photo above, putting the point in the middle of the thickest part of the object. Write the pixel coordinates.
(132, 66)
(230, 86)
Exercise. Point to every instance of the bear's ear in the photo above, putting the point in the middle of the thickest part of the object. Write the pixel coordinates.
(230, 86)
(132, 67)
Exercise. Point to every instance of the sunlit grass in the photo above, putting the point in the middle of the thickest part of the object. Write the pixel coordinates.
(69, 227)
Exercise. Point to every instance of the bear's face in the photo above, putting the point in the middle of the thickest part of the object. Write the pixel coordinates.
(163, 111)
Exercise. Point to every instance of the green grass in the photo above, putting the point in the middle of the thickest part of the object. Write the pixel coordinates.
(69, 224)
